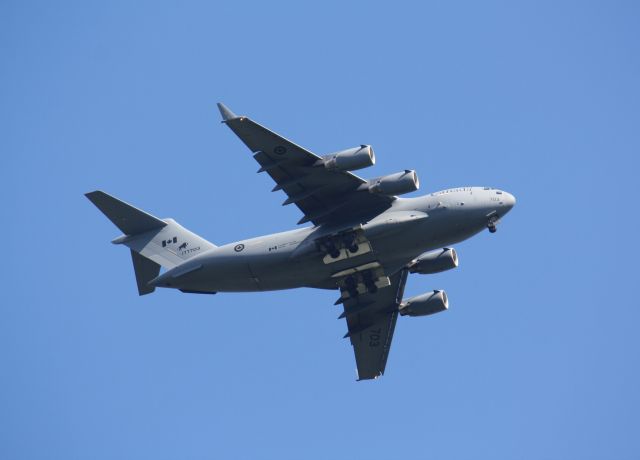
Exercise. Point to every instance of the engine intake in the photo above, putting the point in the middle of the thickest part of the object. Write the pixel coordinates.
(425, 304)
(350, 159)
(434, 261)
(394, 184)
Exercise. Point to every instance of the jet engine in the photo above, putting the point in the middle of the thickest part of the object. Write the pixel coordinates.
(394, 184)
(425, 304)
(350, 159)
(434, 261)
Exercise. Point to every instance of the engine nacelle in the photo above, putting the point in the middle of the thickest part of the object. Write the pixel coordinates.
(434, 261)
(350, 159)
(425, 304)
(394, 184)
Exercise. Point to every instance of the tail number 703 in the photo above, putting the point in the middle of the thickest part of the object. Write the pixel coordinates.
(374, 337)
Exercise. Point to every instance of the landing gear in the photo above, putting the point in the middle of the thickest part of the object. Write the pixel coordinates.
(336, 245)
(369, 283)
(491, 224)
(352, 286)
(330, 248)
(363, 280)
(350, 243)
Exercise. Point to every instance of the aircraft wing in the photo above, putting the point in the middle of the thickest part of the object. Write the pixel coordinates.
(323, 195)
(371, 319)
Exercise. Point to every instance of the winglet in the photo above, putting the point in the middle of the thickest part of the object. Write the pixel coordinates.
(226, 113)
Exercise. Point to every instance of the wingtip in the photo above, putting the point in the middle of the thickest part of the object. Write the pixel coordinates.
(93, 195)
(225, 112)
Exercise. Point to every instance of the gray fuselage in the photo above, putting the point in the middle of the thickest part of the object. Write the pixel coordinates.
(287, 260)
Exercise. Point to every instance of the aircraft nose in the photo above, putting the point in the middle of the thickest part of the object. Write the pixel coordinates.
(509, 200)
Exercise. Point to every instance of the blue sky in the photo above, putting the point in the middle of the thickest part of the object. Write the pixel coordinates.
(537, 357)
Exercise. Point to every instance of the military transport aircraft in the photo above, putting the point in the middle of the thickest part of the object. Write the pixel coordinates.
(364, 241)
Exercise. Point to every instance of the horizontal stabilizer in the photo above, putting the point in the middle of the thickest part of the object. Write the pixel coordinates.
(129, 219)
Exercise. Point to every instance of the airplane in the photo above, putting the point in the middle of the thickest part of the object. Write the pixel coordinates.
(364, 240)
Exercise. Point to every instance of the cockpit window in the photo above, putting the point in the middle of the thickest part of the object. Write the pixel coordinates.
(498, 192)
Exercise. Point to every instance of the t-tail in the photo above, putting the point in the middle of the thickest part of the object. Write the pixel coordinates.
(153, 242)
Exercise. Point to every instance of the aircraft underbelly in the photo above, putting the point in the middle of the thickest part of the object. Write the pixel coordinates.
(283, 273)
(221, 275)
(287, 274)
(258, 269)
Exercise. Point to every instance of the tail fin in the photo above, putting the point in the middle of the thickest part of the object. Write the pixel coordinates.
(153, 242)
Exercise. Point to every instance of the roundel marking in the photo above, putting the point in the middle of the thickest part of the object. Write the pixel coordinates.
(280, 150)
(238, 247)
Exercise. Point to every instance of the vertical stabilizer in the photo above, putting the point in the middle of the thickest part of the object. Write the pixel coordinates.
(145, 270)
(154, 242)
